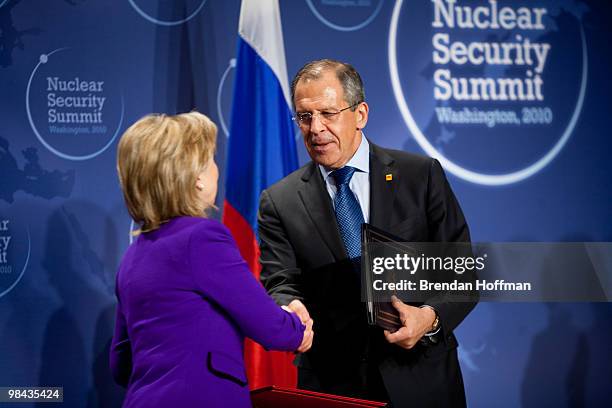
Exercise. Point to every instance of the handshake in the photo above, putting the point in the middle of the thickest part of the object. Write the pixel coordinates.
(299, 309)
(416, 322)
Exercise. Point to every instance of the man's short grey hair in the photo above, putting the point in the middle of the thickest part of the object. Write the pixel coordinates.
(349, 78)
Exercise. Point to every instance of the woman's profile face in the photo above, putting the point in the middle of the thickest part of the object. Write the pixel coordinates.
(207, 184)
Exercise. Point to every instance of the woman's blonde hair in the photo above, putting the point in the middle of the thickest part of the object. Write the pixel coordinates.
(159, 159)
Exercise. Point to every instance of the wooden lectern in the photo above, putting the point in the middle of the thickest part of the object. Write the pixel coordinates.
(280, 397)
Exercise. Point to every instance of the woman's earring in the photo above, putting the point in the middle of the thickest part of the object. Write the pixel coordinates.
(200, 186)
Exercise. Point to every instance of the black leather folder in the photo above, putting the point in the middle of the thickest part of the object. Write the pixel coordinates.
(378, 306)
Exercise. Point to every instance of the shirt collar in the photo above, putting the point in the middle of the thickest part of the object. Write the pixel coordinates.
(360, 160)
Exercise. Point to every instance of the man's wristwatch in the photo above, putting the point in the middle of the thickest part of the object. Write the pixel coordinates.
(435, 327)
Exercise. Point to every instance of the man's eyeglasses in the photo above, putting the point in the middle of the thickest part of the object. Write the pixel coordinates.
(305, 118)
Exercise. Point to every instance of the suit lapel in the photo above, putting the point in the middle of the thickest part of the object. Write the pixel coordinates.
(382, 189)
(318, 205)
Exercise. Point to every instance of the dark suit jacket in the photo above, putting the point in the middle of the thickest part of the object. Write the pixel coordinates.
(303, 257)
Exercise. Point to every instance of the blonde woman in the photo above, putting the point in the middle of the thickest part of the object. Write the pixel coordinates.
(186, 298)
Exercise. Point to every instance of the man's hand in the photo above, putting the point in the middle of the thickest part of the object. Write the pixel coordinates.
(299, 309)
(415, 323)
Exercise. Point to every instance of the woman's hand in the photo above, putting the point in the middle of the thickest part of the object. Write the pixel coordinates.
(308, 332)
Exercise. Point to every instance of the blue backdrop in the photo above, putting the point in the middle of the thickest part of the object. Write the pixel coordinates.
(512, 96)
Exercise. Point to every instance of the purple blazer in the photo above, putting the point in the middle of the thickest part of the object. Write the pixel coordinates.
(186, 300)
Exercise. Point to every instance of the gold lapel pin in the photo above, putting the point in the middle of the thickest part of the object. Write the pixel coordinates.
(389, 177)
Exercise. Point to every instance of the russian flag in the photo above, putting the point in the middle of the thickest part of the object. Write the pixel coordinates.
(261, 151)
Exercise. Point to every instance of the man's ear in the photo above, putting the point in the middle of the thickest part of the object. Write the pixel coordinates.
(362, 115)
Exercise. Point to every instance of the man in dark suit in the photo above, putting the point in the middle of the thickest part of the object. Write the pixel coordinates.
(309, 226)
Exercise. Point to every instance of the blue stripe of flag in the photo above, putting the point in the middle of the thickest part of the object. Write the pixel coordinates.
(261, 148)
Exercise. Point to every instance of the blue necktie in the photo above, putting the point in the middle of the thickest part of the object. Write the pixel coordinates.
(348, 212)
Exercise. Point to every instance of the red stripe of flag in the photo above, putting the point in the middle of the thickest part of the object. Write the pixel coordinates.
(263, 367)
